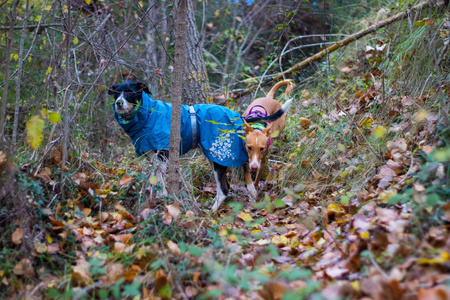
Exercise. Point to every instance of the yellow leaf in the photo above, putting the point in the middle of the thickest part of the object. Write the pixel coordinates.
(87, 2)
(141, 253)
(153, 179)
(40, 247)
(217, 13)
(75, 41)
(54, 117)
(49, 70)
(44, 113)
(364, 235)
(44, 41)
(366, 123)
(239, 19)
(280, 240)
(379, 132)
(275, 134)
(355, 285)
(245, 217)
(335, 208)
(419, 23)
(37, 18)
(421, 115)
(35, 127)
(232, 237)
(341, 147)
(49, 239)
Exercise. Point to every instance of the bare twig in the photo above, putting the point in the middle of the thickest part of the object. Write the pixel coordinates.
(337, 46)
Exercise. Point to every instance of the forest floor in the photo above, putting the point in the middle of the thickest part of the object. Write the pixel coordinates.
(354, 205)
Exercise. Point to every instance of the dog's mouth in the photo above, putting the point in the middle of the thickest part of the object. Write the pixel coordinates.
(125, 109)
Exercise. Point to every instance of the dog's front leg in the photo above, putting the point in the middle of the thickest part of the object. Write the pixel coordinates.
(261, 169)
(249, 182)
(220, 174)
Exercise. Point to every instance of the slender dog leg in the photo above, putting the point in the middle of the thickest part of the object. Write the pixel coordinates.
(249, 182)
(220, 174)
(261, 169)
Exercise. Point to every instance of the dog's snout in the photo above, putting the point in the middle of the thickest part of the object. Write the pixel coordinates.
(254, 167)
(119, 102)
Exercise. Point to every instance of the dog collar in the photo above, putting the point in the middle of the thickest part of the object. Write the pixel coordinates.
(261, 127)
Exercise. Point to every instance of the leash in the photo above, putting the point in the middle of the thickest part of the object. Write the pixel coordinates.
(194, 127)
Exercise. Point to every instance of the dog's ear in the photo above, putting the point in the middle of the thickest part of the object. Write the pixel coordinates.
(247, 127)
(112, 89)
(143, 88)
(266, 130)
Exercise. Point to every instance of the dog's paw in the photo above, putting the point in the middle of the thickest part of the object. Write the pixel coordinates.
(252, 192)
(217, 202)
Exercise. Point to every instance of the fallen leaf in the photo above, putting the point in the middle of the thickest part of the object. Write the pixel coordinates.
(245, 217)
(24, 267)
(173, 247)
(174, 209)
(17, 236)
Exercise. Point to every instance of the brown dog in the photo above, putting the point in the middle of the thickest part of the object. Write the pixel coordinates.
(259, 137)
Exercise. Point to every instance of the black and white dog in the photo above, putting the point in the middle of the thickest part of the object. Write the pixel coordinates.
(216, 129)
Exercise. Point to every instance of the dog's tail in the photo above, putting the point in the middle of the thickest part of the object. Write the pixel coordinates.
(287, 83)
(275, 116)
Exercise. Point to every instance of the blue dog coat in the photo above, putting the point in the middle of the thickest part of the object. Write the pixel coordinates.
(220, 133)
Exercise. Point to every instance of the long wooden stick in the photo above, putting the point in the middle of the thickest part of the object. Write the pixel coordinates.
(336, 46)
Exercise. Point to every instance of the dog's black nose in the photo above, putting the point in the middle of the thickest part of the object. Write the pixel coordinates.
(119, 102)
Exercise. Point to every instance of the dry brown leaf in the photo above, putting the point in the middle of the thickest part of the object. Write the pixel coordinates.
(167, 218)
(191, 291)
(126, 238)
(87, 231)
(114, 272)
(45, 174)
(173, 247)
(125, 179)
(195, 276)
(24, 267)
(305, 122)
(432, 294)
(17, 236)
(80, 274)
(53, 248)
(174, 209)
(119, 247)
(160, 280)
(86, 212)
(103, 216)
(273, 290)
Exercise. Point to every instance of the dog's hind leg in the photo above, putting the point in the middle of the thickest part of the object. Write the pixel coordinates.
(220, 174)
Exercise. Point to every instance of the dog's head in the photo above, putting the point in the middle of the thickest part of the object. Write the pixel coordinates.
(257, 144)
(127, 95)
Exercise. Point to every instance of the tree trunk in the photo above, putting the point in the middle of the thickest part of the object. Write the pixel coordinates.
(7, 63)
(19, 78)
(196, 84)
(177, 83)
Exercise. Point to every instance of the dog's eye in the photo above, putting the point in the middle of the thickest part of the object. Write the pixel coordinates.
(261, 149)
(249, 148)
